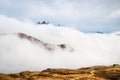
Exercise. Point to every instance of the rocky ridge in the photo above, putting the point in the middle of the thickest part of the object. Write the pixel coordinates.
(87, 73)
(47, 46)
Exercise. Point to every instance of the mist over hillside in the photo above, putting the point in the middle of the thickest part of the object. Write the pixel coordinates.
(28, 46)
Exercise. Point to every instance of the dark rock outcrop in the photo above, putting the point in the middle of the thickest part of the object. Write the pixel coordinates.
(36, 41)
(48, 46)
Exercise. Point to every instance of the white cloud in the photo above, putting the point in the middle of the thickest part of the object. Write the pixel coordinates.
(9, 24)
(5, 2)
(65, 10)
(89, 49)
(114, 14)
(86, 14)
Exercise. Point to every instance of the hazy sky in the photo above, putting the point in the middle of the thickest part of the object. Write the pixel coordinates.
(85, 15)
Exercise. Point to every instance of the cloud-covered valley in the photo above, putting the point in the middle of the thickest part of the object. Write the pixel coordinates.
(25, 46)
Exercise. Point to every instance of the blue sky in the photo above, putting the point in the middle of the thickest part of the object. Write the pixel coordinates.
(85, 15)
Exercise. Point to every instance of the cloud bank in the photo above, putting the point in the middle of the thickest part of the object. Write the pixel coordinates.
(87, 15)
(20, 54)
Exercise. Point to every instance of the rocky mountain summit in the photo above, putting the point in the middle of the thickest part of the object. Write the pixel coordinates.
(87, 73)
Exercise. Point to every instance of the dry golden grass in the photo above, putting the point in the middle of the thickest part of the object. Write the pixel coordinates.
(88, 73)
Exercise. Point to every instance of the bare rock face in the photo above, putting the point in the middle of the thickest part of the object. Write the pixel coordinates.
(88, 73)
(47, 46)
(36, 41)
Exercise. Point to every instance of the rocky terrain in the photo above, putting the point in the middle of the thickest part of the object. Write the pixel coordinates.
(47, 46)
(87, 73)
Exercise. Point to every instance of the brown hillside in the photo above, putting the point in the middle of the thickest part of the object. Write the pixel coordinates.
(88, 73)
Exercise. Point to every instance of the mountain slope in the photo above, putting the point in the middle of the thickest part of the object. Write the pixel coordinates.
(87, 73)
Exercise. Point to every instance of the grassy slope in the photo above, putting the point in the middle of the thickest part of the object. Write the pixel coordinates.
(88, 73)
